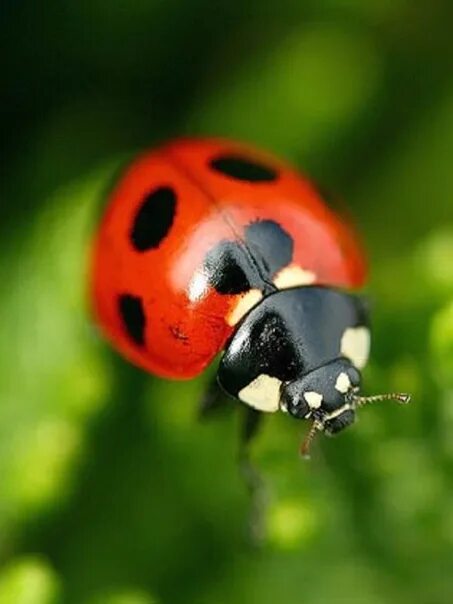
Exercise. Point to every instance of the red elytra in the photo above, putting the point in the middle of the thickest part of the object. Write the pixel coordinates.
(184, 324)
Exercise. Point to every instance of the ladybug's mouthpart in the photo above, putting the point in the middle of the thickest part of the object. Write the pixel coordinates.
(353, 402)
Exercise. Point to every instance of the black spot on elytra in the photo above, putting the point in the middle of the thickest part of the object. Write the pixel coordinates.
(242, 168)
(133, 317)
(234, 267)
(226, 269)
(270, 244)
(153, 219)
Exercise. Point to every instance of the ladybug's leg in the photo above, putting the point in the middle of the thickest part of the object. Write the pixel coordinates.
(214, 401)
(250, 426)
(252, 477)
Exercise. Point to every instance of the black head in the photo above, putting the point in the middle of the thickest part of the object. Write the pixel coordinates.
(300, 351)
(322, 395)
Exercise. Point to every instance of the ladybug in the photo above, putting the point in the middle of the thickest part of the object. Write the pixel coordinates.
(210, 246)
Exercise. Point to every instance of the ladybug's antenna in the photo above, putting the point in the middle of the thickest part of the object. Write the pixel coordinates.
(353, 401)
(359, 401)
(316, 427)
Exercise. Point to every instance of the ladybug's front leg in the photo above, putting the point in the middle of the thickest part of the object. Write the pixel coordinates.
(212, 404)
(256, 486)
(214, 401)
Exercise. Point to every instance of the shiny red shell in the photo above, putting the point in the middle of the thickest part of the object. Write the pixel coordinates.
(183, 332)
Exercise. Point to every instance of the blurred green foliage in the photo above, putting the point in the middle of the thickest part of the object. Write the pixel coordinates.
(107, 488)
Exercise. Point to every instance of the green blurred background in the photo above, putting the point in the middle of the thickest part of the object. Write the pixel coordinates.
(110, 490)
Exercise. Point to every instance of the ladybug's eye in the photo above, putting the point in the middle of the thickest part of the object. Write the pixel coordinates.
(241, 168)
(153, 219)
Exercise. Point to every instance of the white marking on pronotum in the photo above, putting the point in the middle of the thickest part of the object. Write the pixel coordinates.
(343, 383)
(314, 399)
(355, 345)
(262, 394)
(243, 305)
(293, 276)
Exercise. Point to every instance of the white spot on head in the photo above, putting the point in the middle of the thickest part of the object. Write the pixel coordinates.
(243, 305)
(355, 345)
(262, 394)
(314, 399)
(293, 276)
(343, 383)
